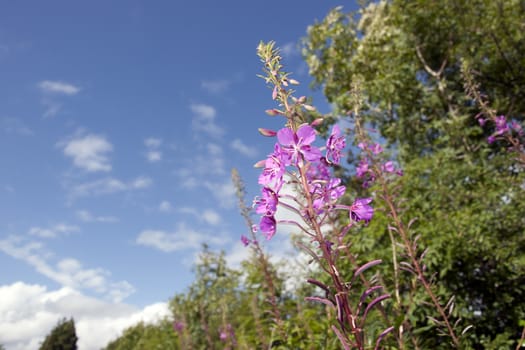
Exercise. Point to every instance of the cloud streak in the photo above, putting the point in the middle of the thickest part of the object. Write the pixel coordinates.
(67, 272)
(183, 238)
(58, 87)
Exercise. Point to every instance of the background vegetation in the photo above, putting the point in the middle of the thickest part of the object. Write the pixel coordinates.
(409, 61)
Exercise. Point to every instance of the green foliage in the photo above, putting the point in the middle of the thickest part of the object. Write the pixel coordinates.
(62, 337)
(141, 336)
(461, 195)
(405, 58)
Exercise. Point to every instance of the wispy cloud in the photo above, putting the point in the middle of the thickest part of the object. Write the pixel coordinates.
(183, 238)
(153, 154)
(29, 311)
(224, 192)
(58, 87)
(289, 50)
(87, 216)
(89, 152)
(215, 86)
(52, 108)
(243, 149)
(53, 231)
(108, 185)
(15, 126)
(68, 271)
(165, 207)
(204, 120)
(209, 216)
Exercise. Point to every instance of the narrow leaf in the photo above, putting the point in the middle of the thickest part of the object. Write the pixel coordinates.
(367, 266)
(374, 302)
(320, 300)
(382, 335)
(342, 339)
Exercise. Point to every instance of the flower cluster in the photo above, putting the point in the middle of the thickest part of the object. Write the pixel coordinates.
(295, 149)
(502, 128)
(366, 171)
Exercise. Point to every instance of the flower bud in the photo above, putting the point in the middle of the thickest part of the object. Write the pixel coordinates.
(317, 122)
(267, 132)
(273, 112)
(274, 93)
(309, 108)
(293, 82)
(260, 164)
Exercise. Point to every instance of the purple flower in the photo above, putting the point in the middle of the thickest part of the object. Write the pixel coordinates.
(361, 211)
(245, 241)
(274, 169)
(318, 171)
(268, 226)
(178, 326)
(516, 127)
(482, 121)
(267, 205)
(334, 145)
(501, 125)
(389, 167)
(223, 335)
(362, 168)
(297, 144)
(362, 145)
(491, 139)
(327, 193)
(376, 148)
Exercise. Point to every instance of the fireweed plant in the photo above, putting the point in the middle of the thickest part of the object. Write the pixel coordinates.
(297, 161)
(504, 129)
(262, 261)
(374, 169)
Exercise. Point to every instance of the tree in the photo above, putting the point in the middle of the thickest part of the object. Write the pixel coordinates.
(62, 337)
(405, 59)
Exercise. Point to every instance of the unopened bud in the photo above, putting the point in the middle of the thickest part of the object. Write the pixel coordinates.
(267, 132)
(317, 122)
(274, 93)
(302, 99)
(309, 108)
(293, 82)
(260, 164)
(273, 112)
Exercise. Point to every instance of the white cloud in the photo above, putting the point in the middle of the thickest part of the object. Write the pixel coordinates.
(243, 149)
(58, 87)
(183, 238)
(153, 154)
(204, 120)
(68, 272)
(165, 207)
(29, 312)
(89, 152)
(215, 86)
(86, 216)
(108, 185)
(141, 182)
(153, 142)
(54, 231)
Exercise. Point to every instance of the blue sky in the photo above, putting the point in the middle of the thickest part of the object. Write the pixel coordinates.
(119, 124)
